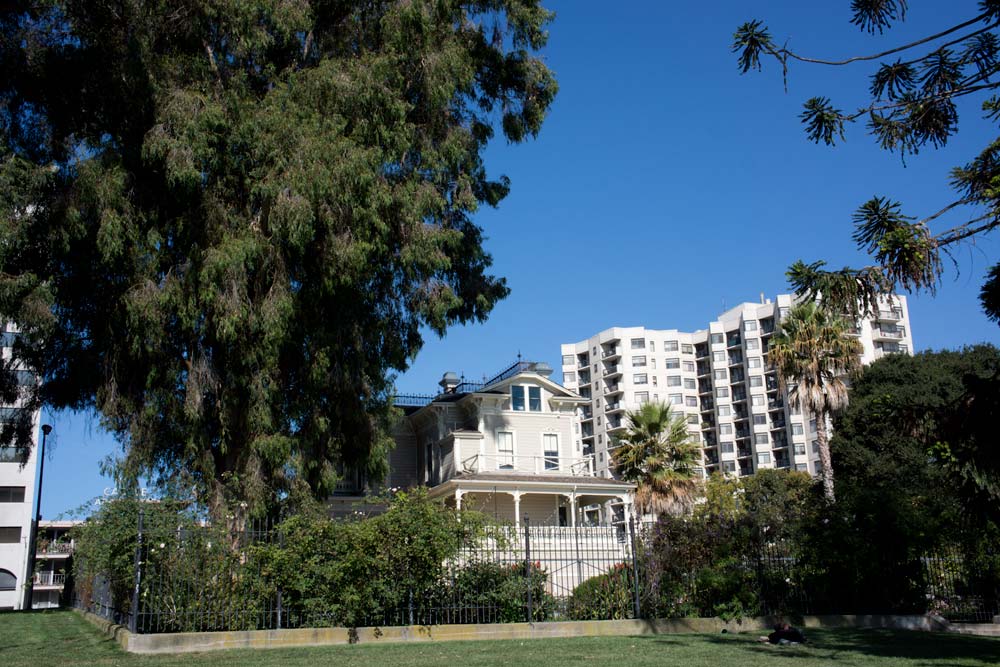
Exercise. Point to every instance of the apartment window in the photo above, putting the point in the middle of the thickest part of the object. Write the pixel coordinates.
(576, 427)
(750, 325)
(757, 400)
(595, 351)
(797, 429)
(11, 494)
(569, 360)
(9, 455)
(760, 438)
(689, 383)
(8, 582)
(753, 362)
(652, 363)
(654, 380)
(673, 380)
(753, 344)
(783, 312)
(691, 401)
(818, 467)
(756, 381)
(569, 377)
(729, 466)
(725, 411)
(535, 399)
(687, 349)
(760, 420)
(722, 392)
(726, 447)
(676, 399)
(598, 420)
(638, 361)
(505, 450)
(725, 429)
(600, 440)
(720, 374)
(689, 367)
(10, 534)
(672, 363)
(693, 419)
(652, 346)
(640, 378)
(656, 397)
(815, 445)
(517, 397)
(812, 425)
(800, 449)
(638, 343)
(719, 356)
(550, 448)
(763, 457)
(670, 346)
(598, 403)
(718, 339)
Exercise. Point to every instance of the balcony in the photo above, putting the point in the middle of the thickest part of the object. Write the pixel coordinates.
(613, 353)
(583, 361)
(612, 389)
(57, 549)
(892, 315)
(615, 425)
(43, 580)
(614, 370)
(892, 334)
(575, 466)
(614, 407)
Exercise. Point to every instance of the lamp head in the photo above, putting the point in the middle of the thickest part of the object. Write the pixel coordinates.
(46, 429)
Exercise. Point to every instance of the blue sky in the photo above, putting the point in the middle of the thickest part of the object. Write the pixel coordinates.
(666, 187)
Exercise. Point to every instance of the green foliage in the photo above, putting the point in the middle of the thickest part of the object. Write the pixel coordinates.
(224, 225)
(488, 592)
(657, 452)
(814, 351)
(913, 104)
(608, 596)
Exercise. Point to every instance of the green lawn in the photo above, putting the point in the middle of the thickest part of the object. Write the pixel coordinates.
(63, 638)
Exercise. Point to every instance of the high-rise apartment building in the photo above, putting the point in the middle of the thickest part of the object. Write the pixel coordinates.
(718, 378)
(17, 499)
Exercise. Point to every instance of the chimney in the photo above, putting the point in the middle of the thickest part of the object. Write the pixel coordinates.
(448, 382)
(762, 299)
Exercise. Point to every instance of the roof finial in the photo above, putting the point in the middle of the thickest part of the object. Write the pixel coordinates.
(519, 355)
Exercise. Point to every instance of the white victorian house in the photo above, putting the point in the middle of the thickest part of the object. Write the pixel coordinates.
(509, 447)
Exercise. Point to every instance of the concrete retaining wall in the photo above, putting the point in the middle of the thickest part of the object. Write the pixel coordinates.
(187, 642)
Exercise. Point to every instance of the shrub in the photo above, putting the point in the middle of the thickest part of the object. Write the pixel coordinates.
(609, 596)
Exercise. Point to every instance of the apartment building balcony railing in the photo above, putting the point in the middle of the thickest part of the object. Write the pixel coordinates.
(49, 579)
(575, 466)
(767, 326)
(615, 425)
(583, 361)
(58, 548)
(613, 353)
(733, 341)
(893, 314)
(612, 370)
(775, 404)
(890, 333)
(615, 407)
(612, 389)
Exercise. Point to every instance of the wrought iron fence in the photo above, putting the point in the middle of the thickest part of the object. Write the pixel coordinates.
(510, 574)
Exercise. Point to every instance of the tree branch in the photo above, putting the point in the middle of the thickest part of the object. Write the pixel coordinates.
(783, 53)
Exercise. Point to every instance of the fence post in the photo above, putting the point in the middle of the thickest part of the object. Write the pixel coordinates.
(527, 564)
(281, 543)
(635, 569)
(134, 620)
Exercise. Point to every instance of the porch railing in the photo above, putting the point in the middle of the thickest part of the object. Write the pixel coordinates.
(576, 466)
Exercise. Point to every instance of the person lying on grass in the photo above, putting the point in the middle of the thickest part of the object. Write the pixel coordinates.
(784, 634)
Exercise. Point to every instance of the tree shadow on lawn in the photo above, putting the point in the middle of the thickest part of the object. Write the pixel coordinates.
(926, 649)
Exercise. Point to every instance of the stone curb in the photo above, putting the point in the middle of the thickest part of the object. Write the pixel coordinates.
(188, 642)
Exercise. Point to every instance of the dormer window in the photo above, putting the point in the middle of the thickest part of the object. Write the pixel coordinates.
(517, 396)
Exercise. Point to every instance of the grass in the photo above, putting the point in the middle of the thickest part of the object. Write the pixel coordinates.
(63, 638)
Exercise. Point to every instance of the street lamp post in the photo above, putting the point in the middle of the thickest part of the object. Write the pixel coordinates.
(29, 588)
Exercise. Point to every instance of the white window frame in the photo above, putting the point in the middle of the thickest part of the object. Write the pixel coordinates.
(513, 448)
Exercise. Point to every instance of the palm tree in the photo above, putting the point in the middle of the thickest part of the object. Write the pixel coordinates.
(813, 353)
(657, 453)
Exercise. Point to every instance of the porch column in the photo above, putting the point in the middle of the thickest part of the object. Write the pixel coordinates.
(458, 500)
(517, 507)
(572, 510)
